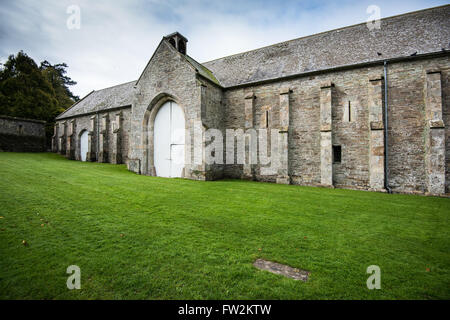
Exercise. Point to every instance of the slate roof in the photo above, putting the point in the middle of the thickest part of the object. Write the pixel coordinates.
(423, 31)
(108, 98)
(205, 72)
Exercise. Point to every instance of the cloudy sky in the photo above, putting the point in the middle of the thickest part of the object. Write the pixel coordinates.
(117, 38)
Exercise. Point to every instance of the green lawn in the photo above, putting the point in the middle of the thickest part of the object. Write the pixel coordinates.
(139, 237)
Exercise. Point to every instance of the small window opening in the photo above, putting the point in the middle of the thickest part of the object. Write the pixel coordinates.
(337, 154)
(349, 112)
(20, 129)
(267, 118)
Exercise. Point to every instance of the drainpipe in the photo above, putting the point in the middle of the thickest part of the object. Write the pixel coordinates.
(386, 146)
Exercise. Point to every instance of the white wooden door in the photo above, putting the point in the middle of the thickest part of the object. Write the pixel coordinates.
(84, 140)
(169, 141)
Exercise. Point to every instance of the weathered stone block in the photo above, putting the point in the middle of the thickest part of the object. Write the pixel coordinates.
(436, 124)
(376, 134)
(326, 157)
(435, 139)
(376, 125)
(134, 165)
(325, 127)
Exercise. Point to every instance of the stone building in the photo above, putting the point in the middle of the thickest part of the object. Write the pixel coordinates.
(21, 134)
(356, 107)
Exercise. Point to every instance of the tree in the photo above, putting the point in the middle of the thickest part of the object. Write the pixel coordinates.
(56, 74)
(30, 91)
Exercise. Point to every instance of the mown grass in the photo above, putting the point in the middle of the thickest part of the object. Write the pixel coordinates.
(139, 237)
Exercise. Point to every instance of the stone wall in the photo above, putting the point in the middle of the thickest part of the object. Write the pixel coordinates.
(22, 135)
(319, 117)
(108, 136)
(409, 124)
(212, 115)
(445, 78)
(357, 107)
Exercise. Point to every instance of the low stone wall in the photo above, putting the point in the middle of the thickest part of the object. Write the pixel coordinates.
(21, 135)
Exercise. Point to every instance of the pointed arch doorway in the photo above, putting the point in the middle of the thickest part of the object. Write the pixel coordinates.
(84, 145)
(168, 140)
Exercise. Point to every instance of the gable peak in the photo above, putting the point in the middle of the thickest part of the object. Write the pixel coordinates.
(178, 41)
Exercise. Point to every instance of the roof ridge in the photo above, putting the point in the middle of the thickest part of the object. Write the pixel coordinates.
(323, 32)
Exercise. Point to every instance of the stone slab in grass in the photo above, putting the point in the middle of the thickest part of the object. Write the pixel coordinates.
(284, 270)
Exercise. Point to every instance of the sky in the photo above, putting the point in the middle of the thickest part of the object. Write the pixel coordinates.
(115, 39)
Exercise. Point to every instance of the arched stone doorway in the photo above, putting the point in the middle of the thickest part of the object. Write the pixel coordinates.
(168, 141)
(178, 139)
(84, 145)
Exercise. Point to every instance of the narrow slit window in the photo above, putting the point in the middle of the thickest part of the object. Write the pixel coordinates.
(267, 118)
(349, 112)
(337, 154)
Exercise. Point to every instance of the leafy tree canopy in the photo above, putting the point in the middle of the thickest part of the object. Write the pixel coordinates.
(31, 91)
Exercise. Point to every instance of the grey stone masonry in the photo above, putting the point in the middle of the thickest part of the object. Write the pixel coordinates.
(435, 134)
(62, 137)
(167, 77)
(283, 138)
(22, 135)
(281, 269)
(103, 139)
(248, 170)
(70, 144)
(55, 139)
(116, 140)
(91, 155)
(376, 133)
(322, 100)
(326, 142)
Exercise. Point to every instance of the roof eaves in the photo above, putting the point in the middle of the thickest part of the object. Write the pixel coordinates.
(339, 68)
(96, 112)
